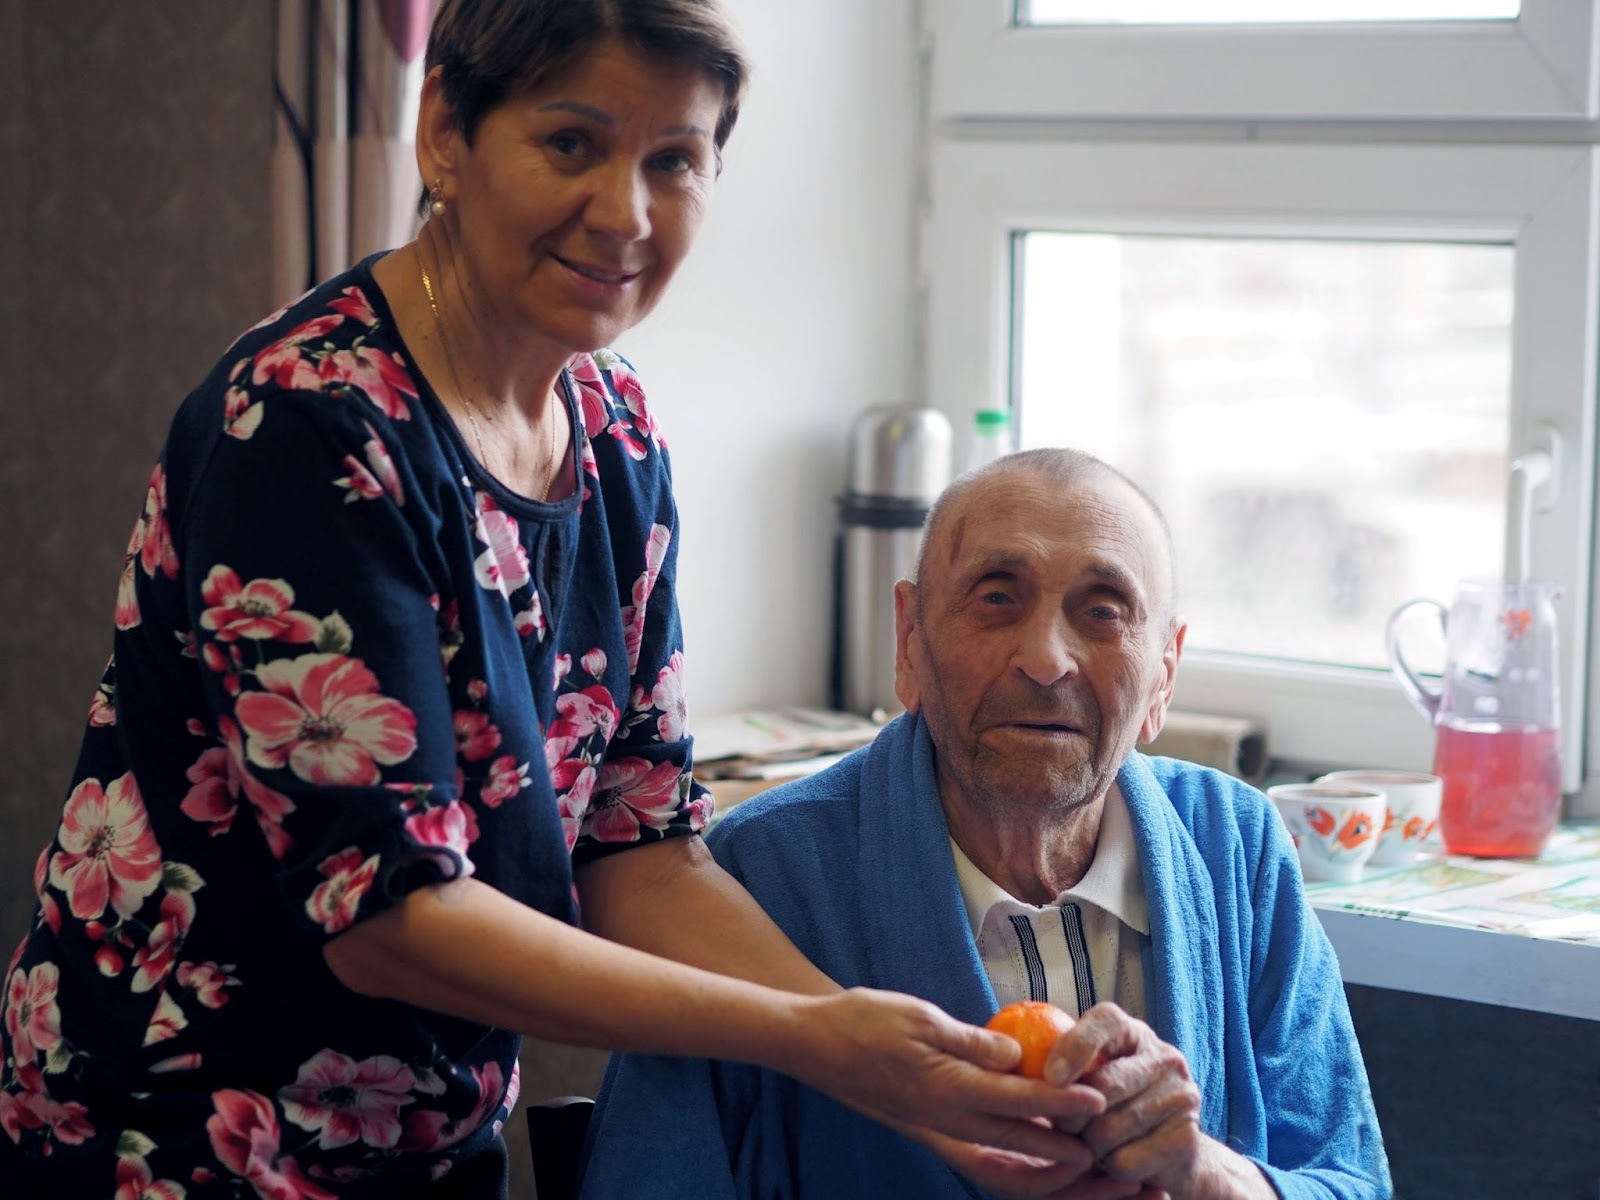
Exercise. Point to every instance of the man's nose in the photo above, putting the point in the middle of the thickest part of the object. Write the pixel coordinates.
(1047, 654)
(619, 206)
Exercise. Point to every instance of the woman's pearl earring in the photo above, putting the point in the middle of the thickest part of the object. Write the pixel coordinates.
(436, 198)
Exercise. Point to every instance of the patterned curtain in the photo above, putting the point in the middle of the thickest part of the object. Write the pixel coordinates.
(347, 78)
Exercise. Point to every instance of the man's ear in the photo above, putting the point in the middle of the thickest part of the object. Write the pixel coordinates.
(907, 684)
(439, 140)
(1156, 715)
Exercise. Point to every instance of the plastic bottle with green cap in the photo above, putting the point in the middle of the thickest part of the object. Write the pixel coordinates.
(991, 437)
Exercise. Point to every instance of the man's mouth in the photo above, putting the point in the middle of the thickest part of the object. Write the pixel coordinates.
(1049, 727)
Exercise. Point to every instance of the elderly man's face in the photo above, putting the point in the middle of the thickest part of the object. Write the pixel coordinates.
(1042, 645)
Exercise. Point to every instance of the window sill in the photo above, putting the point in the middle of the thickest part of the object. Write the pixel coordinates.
(1483, 931)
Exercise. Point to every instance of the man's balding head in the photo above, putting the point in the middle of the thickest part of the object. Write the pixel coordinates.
(1065, 468)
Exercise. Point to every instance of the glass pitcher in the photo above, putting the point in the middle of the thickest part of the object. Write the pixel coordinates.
(1495, 717)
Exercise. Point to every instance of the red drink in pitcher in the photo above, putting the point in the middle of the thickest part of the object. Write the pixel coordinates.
(1502, 788)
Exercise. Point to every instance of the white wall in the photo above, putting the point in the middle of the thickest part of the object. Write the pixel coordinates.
(792, 314)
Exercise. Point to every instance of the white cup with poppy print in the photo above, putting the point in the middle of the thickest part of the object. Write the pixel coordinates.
(1335, 826)
(1412, 800)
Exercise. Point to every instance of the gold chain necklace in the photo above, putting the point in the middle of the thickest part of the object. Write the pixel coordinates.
(472, 409)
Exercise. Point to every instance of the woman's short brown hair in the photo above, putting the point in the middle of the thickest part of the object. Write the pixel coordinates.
(491, 49)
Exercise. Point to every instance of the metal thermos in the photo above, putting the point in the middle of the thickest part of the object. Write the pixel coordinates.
(898, 461)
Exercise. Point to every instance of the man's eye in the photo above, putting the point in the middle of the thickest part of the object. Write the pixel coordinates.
(673, 162)
(994, 598)
(1105, 612)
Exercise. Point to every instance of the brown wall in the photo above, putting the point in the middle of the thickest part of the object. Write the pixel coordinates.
(135, 246)
(135, 230)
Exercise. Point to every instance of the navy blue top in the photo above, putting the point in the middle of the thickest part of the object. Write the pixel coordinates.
(348, 664)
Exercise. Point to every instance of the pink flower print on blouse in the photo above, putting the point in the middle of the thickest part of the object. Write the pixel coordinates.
(585, 713)
(360, 483)
(108, 852)
(244, 1137)
(323, 717)
(630, 793)
(452, 826)
(33, 1020)
(102, 713)
(14, 1118)
(155, 960)
(379, 375)
(594, 662)
(530, 621)
(345, 1101)
(655, 553)
(573, 778)
(628, 387)
(382, 466)
(352, 303)
(241, 414)
(507, 777)
(219, 776)
(284, 364)
(156, 551)
(126, 613)
(49, 910)
(135, 1182)
(592, 398)
(476, 736)
(624, 433)
(669, 697)
(206, 980)
(503, 567)
(451, 639)
(428, 1131)
(166, 1022)
(560, 669)
(348, 877)
(68, 1123)
(261, 610)
(178, 1062)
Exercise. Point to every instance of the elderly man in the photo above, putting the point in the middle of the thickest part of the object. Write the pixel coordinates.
(1004, 841)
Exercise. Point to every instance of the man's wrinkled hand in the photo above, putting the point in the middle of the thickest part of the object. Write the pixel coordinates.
(1150, 1129)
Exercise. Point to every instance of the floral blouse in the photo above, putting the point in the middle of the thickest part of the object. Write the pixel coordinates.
(348, 664)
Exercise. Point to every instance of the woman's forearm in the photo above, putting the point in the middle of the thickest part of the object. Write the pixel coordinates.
(465, 949)
(672, 899)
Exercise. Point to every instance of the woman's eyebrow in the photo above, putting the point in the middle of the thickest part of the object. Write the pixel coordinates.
(581, 109)
(601, 117)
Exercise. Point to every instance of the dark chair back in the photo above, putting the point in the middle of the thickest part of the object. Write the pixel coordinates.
(556, 1129)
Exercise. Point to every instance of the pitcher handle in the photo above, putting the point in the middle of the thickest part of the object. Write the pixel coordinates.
(1424, 697)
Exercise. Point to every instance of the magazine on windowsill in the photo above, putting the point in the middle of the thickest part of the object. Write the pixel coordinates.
(775, 742)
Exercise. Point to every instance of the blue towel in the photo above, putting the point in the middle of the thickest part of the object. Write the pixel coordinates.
(855, 865)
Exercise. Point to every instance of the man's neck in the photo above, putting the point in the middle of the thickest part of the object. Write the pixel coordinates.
(1033, 854)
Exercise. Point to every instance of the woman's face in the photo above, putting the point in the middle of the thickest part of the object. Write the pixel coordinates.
(576, 201)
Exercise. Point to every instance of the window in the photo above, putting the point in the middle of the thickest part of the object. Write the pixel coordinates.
(990, 61)
(1324, 423)
(1318, 343)
(1265, 12)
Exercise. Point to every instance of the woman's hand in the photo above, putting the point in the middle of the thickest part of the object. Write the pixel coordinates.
(906, 1062)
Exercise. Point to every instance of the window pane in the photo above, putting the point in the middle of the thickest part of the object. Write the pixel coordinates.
(1324, 423)
(1269, 12)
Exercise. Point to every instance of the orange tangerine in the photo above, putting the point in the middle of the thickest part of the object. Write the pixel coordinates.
(1034, 1025)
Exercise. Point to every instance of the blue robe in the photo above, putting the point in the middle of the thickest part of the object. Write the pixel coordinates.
(855, 865)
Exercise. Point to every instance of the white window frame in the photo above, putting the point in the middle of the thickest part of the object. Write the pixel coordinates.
(1543, 199)
(1541, 65)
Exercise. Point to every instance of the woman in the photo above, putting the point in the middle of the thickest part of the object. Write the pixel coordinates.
(397, 675)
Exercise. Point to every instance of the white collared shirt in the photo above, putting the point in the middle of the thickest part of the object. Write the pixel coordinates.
(1086, 946)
